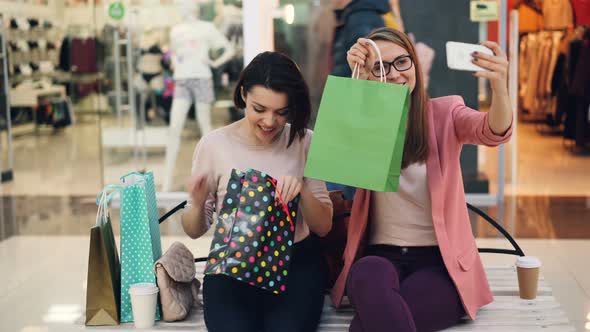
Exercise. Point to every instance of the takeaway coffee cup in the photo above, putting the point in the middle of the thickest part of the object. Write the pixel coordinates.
(144, 298)
(527, 268)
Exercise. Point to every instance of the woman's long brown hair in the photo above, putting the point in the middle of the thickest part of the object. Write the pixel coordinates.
(416, 144)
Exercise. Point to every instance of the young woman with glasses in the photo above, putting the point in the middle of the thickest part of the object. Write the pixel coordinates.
(420, 269)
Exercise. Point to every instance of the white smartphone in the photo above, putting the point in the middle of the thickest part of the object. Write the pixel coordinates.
(459, 55)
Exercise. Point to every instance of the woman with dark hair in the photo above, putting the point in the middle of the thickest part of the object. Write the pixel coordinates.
(420, 270)
(272, 138)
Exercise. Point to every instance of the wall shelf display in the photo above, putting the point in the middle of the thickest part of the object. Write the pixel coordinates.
(6, 152)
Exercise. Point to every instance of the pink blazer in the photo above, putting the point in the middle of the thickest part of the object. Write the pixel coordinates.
(450, 125)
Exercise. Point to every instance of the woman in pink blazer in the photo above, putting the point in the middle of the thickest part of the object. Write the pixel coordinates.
(411, 262)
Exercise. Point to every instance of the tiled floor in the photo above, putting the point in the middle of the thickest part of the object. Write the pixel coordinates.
(71, 162)
(543, 166)
(566, 217)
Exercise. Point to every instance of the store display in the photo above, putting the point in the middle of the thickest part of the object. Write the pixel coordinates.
(554, 73)
(70, 59)
(191, 43)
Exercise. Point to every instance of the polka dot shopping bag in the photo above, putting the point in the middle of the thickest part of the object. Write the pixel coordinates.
(254, 234)
(140, 236)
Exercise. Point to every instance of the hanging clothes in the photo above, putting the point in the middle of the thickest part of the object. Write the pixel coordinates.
(83, 54)
(580, 90)
(64, 55)
(80, 55)
(557, 14)
(529, 18)
(581, 11)
(571, 86)
(539, 53)
(56, 113)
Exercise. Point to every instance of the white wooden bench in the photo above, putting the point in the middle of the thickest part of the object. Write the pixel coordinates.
(507, 313)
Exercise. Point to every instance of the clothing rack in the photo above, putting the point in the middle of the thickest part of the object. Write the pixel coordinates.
(74, 77)
(577, 129)
(560, 105)
(536, 63)
(33, 56)
(6, 172)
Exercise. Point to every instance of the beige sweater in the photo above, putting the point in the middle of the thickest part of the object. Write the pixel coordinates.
(224, 149)
(404, 218)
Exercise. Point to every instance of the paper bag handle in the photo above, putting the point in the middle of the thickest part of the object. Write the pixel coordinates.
(285, 207)
(356, 69)
(102, 200)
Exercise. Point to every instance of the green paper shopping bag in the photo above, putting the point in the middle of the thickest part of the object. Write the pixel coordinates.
(140, 237)
(360, 133)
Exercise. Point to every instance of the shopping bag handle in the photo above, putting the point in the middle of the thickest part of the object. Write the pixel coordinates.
(103, 198)
(109, 191)
(173, 211)
(140, 181)
(285, 207)
(132, 173)
(356, 69)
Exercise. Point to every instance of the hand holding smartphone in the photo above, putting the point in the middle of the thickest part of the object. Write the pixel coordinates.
(459, 55)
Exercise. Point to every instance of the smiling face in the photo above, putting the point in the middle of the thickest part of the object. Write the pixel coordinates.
(266, 113)
(392, 52)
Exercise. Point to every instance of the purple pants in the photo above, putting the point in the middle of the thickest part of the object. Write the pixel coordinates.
(402, 289)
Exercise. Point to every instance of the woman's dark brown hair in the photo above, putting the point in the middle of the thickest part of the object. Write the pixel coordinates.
(279, 73)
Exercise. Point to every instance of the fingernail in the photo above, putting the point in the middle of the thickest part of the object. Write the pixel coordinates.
(475, 59)
(474, 53)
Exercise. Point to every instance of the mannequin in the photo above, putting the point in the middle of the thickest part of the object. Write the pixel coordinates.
(152, 41)
(150, 76)
(152, 45)
(190, 44)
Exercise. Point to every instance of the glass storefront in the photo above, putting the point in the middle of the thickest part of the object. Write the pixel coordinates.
(92, 89)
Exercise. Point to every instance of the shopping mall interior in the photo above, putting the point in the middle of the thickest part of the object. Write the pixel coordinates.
(88, 95)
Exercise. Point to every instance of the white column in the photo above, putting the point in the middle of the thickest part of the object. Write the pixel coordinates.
(258, 28)
(513, 91)
(481, 82)
(502, 29)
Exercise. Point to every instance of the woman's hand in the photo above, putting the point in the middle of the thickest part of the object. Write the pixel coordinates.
(289, 187)
(500, 115)
(195, 218)
(197, 188)
(497, 65)
(361, 54)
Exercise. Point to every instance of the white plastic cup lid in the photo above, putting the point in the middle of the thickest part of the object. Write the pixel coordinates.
(528, 262)
(144, 288)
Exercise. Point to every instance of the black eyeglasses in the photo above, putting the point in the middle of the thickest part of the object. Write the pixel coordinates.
(401, 63)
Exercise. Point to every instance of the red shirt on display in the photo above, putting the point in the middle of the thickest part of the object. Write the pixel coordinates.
(581, 11)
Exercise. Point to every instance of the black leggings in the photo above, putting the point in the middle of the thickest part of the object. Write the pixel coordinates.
(232, 305)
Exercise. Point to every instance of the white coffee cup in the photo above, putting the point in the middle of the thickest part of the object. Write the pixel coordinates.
(527, 268)
(144, 298)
